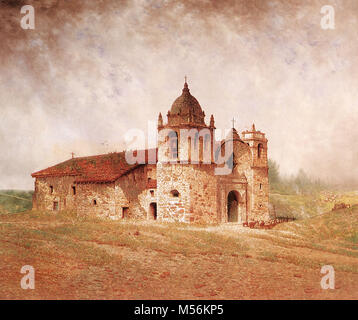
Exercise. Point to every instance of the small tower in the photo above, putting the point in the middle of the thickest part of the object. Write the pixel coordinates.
(212, 122)
(259, 165)
(212, 133)
(258, 145)
(160, 120)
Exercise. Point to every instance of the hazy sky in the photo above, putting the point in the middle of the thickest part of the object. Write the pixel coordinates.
(93, 69)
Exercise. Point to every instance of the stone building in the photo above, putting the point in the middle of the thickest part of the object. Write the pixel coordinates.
(189, 177)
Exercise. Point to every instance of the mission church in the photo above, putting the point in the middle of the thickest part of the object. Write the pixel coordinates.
(180, 180)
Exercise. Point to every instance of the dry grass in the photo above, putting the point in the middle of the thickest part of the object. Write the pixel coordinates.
(84, 258)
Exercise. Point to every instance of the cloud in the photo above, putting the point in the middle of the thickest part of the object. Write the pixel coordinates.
(92, 70)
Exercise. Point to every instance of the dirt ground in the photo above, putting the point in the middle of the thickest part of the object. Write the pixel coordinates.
(94, 259)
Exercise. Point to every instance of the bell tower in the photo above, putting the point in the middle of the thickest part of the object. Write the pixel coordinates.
(185, 132)
(259, 165)
(182, 142)
(258, 145)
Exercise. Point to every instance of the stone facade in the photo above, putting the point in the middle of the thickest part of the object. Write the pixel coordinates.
(193, 178)
(106, 199)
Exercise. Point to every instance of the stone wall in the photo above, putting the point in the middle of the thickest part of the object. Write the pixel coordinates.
(101, 199)
(170, 178)
(197, 188)
(259, 188)
(260, 195)
(203, 193)
(61, 193)
(96, 199)
(132, 192)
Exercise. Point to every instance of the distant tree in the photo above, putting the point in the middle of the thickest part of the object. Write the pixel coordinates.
(273, 173)
(303, 182)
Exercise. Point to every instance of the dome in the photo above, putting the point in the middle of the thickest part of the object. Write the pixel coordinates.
(186, 104)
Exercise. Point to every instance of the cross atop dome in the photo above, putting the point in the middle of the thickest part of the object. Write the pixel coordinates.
(186, 87)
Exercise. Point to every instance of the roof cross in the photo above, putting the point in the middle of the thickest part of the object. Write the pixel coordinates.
(73, 154)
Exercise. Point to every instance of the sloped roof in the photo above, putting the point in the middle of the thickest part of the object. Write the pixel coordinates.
(100, 168)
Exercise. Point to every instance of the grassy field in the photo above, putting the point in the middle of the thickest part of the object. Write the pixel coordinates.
(13, 201)
(87, 258)
(303, 206)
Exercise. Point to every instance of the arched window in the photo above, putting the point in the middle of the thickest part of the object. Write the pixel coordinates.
(222, 149)
(230, 161)
(201, 143)
(174, 193)
(196, 139)
(189, 149)
(173, 144)
(51, 189)
(260, 147)
(94, 202)
(207, 140)
(217, 152)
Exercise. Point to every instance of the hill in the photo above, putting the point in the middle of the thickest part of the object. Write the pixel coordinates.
(12, 201)
(306, 205)
(86, 258)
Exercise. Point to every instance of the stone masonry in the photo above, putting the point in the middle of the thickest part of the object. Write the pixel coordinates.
(193, 178)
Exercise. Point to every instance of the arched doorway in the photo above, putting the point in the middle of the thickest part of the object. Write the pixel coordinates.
(153, 211)
(232, 206)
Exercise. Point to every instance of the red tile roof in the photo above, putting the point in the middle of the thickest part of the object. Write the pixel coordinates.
(101, 168)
